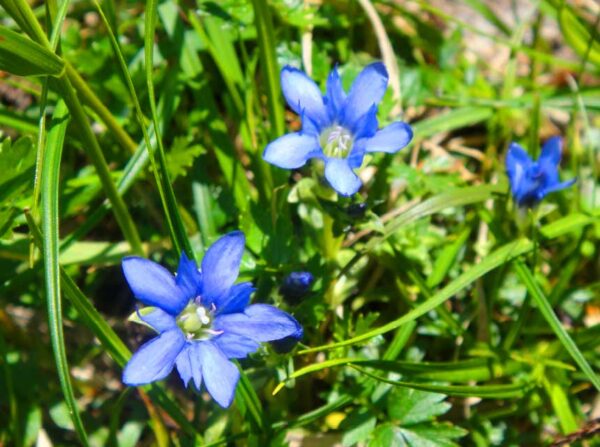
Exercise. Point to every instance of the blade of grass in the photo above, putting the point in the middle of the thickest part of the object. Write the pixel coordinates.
(23, 14)
(515, 390)
(546, 310)
(41, 140)
(266, 43)
(474, 370)
(50, 218)
(176, 227)
(140, 117)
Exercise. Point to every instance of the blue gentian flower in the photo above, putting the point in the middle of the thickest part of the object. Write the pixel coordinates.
(337, 128)
(531, 181)
(296, 285)
(202, 319)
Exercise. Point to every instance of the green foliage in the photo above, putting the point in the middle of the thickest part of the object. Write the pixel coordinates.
(439, 315)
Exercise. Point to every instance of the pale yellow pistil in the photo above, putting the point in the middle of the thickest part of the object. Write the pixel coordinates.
(195, 321)
(336, 141)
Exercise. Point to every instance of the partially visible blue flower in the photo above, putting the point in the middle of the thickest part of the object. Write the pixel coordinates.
(296, 285)
(203, 319)
(337, 128)
(531, 181)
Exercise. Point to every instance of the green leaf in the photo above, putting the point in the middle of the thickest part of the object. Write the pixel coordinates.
(50, 221)
(433, 435)
(455, 119)
(357, 426)
(583, 40)
(409, 406)
(181, 157)
(447, 258)
(565, 225)
(438, 435)
(23, 57)
(546, 310)
(482, 391)
(16, 164)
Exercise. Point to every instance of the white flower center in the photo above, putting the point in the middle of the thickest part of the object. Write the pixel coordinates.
(195, 321)
(336, 141)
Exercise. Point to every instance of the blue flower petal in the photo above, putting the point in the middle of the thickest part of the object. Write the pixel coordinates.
(357, 154)
(235, 346)
(237, 299)
(260, 322)
(158, 319)
(155, 359)
(368, 89)
(189, 278)
(340, 176)
(518, 163)
(558, 186)
(336, 96)
(390, 139)
(551, 153)
(196, 361)
(220, 267)
(292, 150)
(220, 375)
(309, 127)
(184, 364)
(153, 285)
(303, 95)
(366, 126)
(286, 344)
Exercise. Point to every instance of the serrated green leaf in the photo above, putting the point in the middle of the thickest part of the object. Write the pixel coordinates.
(181, 157)
(23, 57)
(409, 406)
(432, 435)
(357, 426)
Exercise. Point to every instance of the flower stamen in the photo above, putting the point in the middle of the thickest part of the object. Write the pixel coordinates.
(336, 141)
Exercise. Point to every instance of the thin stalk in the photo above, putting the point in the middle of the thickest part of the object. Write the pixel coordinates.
(266, 43)
(121, 212)
(22, 13)
(178, 232)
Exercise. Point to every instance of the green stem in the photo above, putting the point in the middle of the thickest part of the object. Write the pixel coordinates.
(268, 60)
(24, 16)
(50, 225)
(90, 99)
(121, 212)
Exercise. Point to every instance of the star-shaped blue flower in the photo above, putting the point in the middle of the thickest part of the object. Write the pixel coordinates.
(531, 181)
(336, 128)
(203, 319)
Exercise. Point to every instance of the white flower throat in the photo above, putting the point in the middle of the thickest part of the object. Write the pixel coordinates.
(336, 141)
(195, 321)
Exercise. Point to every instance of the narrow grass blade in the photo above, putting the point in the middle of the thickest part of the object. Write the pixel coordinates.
(515, 390)
(50, 221)
(23, 57)
(473, 370)
(178, 233)
(546, 310)
(266, 44)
